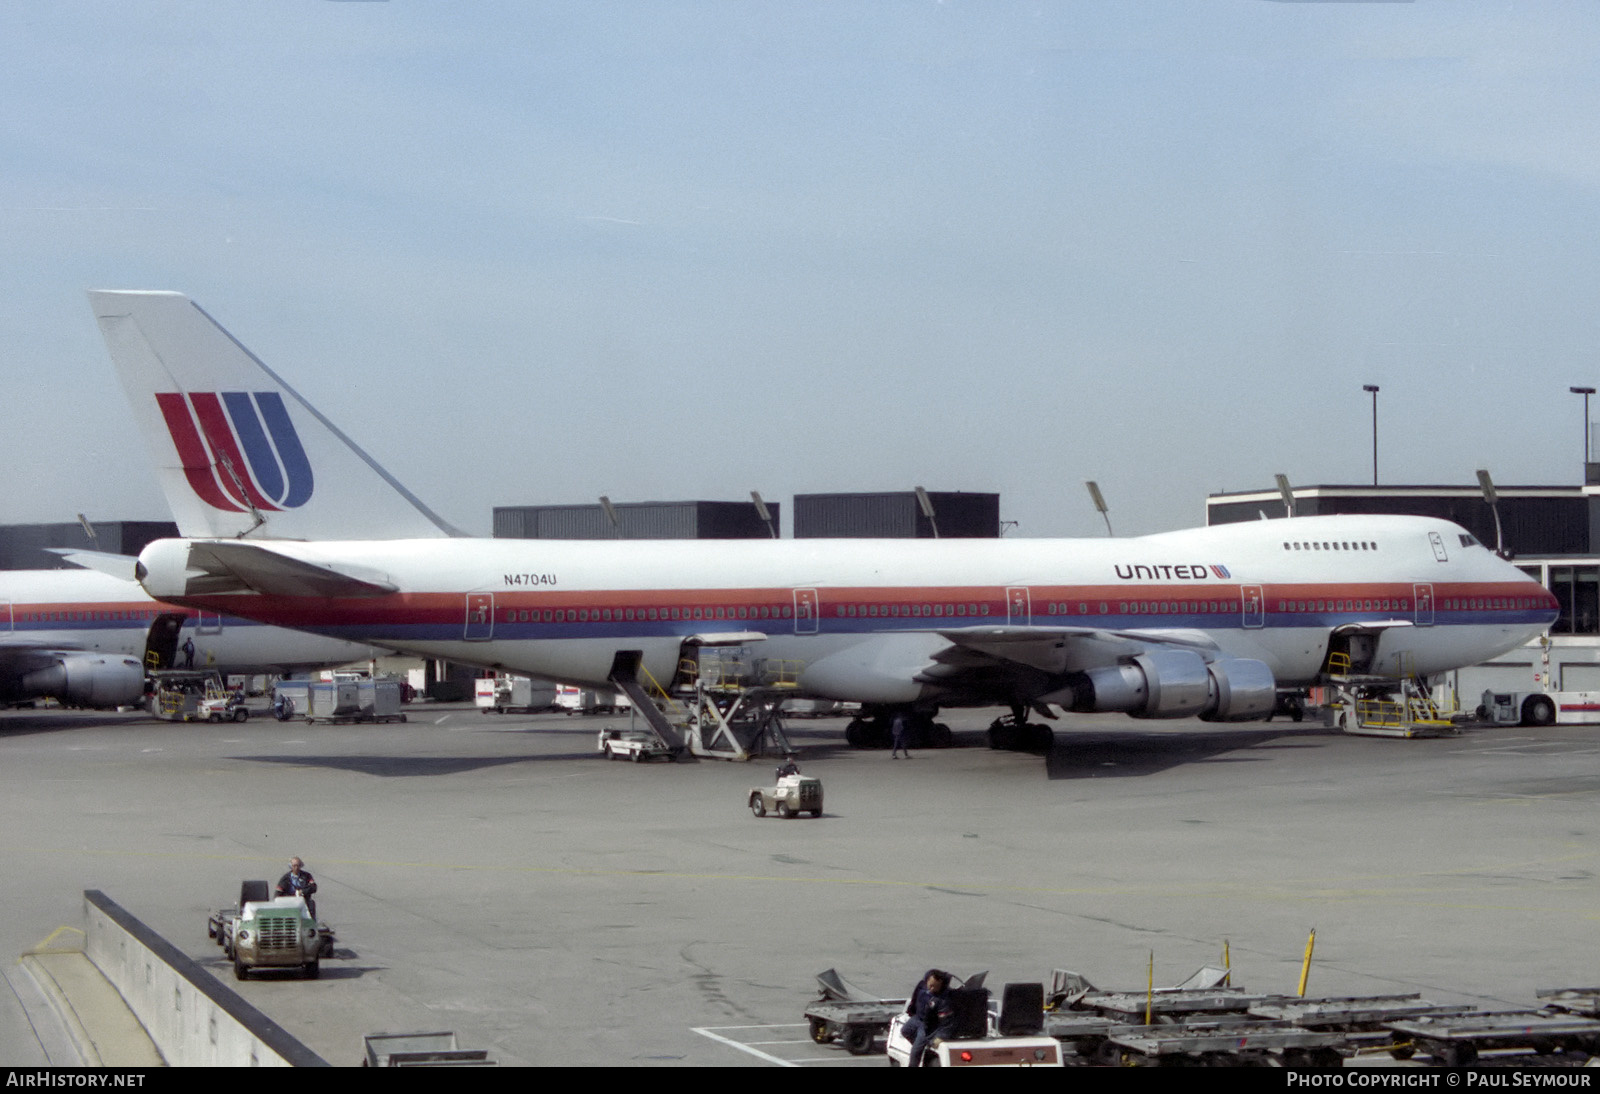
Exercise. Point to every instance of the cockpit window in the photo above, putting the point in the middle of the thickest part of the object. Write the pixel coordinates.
(1468, 541)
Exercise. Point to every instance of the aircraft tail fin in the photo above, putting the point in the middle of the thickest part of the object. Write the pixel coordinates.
(239, 452)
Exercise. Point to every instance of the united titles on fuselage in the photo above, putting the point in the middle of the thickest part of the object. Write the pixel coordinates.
(1191, 572)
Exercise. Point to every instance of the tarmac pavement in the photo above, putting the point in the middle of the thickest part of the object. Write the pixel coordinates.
(493, 876)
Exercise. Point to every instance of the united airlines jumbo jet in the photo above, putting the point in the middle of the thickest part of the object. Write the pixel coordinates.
(1210, 622)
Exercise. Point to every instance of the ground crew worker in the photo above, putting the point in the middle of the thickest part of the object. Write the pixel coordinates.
(299, 882)
(931, 1012)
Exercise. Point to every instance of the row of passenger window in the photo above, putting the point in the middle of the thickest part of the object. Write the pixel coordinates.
(1492, 603)
(644, 615)
(909, 611)
(1324, 545)
(86, 617)
(1344, 605)
(1147, 607)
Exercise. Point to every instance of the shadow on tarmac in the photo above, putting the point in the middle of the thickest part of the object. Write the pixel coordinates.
(1121, 755)
(399, 767)
(22, 723)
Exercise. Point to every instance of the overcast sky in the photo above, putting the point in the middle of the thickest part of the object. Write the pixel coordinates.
(532, 253)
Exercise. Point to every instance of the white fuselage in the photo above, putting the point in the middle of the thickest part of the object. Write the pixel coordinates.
(867, 620)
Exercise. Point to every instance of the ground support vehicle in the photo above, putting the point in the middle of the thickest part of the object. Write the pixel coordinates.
(1171, 1005)
(1230, 1042)
(266, 932)
(846, 1013)
(1459, 1040)
(228, 707)
(1580, 1001)
(982, 1037)
(420, 1050)
(1362, 1019)
(637, 745)
(793, 795)
(855, 1025)
(363, 700)
(178, 695)
(290, 698)
(1540, 708)
(509, 694)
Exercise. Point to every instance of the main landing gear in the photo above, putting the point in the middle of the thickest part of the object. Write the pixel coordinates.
(874, 729)
(1014, 733)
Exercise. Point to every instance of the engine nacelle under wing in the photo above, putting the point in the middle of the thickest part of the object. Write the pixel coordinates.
(88, 680)
(1175, 684)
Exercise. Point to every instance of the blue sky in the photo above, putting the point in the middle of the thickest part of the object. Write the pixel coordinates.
(536, 252)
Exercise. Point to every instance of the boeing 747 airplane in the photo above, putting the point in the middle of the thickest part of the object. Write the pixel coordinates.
(1210, 622)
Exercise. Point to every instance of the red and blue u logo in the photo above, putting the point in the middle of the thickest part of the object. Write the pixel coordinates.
(239, 449)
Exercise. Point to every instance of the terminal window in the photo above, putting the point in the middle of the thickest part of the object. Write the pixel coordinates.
(1577, 590)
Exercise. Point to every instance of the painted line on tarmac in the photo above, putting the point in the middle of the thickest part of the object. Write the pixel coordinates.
(1403, 888)
(710, 1031)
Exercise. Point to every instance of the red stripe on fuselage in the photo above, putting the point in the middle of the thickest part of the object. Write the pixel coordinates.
(835, 603)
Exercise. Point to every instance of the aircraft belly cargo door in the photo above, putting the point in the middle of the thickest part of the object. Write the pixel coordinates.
(161, 644)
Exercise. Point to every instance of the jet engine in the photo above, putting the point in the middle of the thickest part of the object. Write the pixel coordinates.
(87, 680)
(1175, 684)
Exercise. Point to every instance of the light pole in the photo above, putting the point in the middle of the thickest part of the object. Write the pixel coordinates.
(1374, 389)
(1585, 392)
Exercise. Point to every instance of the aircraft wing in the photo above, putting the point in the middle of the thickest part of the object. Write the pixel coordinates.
(237, 567)
(1059, 649)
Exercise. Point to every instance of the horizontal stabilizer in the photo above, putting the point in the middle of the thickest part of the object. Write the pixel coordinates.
(117, 566)
(235, 567)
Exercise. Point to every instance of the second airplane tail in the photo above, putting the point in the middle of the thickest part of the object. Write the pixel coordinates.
(239, 452)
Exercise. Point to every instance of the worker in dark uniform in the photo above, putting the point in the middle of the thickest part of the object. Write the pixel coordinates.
(789, 765)
(898, 729)
(299, 882)
(931, 1013)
